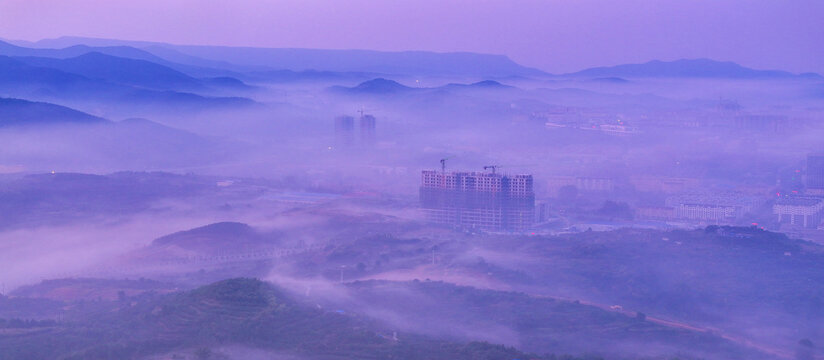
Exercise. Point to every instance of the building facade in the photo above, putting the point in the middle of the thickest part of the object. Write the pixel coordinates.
(478, 200)
(368, 123)
(716, 214)
(799, 212)
(815, 175)
(344, 131)
(714, 208)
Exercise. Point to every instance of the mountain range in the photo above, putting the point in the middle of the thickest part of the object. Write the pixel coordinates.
(387, 86)
(686, 68)
(287, 64)
(98, 78)
(17, 112)
(420, 63)
(99, 66)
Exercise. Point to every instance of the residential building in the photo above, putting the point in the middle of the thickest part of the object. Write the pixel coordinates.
(478, 200)
(802, 212)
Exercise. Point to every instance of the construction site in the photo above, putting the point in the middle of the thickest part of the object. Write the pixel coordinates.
(478, 200)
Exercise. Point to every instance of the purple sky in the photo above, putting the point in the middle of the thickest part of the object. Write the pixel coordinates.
(554, 35)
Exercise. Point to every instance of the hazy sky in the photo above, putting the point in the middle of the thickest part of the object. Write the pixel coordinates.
(554, 35)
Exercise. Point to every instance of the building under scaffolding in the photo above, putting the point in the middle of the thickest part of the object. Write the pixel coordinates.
(478, 200)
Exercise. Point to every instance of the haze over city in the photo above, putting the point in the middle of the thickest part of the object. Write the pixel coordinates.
(318, 180)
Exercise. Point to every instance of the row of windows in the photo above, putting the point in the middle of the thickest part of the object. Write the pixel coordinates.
(796, 210)
(468, 186)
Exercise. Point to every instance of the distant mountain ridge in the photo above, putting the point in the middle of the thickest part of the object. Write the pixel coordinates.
(190, 65)
(110, 79)
(97, 65)
(385, 86)
(117, 52)
(10, 49)
(403, 62)
(686, 68)
(17, 112)
(224, 60)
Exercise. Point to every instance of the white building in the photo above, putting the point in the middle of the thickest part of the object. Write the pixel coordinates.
(801, 211)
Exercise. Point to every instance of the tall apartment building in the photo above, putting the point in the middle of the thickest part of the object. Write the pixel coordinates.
(800, 212)
(478, 200)
(344, 131)
(367, 129)
(815, 175)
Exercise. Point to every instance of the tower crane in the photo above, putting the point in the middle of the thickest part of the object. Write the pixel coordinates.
(493, 167)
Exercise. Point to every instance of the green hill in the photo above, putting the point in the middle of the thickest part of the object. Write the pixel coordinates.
(232, 312)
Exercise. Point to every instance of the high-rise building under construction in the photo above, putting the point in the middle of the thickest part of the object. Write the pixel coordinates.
(367, 129)
(478, 200)
(344, 131)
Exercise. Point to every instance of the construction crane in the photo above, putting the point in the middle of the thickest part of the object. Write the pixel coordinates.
(443, 164)
(509, 166)
(493, 167)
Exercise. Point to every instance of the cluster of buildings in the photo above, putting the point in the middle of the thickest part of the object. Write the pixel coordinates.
(804, 211)
(587, 183)
(703, 208)
(715, 208)
(491, 201)
(585, 120)
(726, 114)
